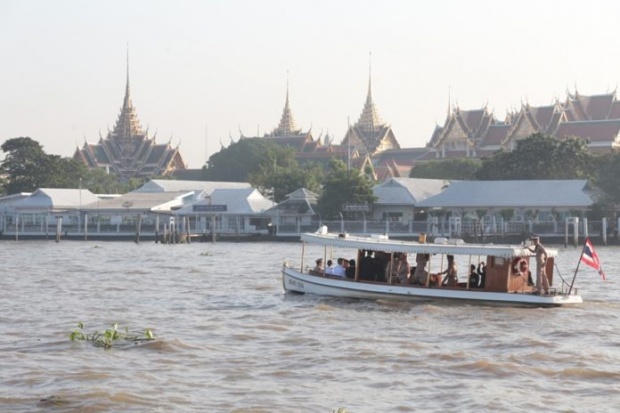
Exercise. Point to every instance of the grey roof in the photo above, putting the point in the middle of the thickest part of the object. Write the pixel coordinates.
(407, 191)
(534, 193)
(142, 201)
(303, 193)
(55, 199)
(299, 202)
(239, 201)
(7, 201)
(164, 185)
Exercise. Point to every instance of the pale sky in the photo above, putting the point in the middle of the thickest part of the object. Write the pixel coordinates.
(200, 71)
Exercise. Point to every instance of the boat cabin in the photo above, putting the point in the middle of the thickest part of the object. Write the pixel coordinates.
(446, 264)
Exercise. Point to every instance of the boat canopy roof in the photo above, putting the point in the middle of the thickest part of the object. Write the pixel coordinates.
(451, 247)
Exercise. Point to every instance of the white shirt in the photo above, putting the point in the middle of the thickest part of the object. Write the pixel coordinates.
(339, 270)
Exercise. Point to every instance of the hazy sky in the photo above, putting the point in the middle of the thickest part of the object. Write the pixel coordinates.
(200, 71)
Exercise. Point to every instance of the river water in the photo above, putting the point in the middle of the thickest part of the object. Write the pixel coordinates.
(229, 340)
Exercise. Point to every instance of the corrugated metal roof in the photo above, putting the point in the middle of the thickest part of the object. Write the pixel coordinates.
(142, 201)
(237, 200)
(407, 191)
(163, 185)
(56, 199)
(533, 193)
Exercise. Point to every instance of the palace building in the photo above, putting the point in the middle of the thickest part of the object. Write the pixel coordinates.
(368, 137)
(478, 133)
(127, 151)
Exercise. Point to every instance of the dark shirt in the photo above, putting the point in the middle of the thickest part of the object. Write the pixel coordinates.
(474, 279)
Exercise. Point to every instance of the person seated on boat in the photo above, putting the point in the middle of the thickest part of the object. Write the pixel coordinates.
(350, 269)
(474, 277)
(319, 265)
(367, 266)
(482, 271)
(420, 275)
(379, 265)
(402, 272)
(339, 268)
(329, 270)
(451, 279)
(397, 269)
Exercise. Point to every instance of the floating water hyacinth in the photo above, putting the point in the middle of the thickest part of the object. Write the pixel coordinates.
(110, 336)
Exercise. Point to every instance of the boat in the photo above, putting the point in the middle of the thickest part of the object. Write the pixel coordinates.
(504, 282)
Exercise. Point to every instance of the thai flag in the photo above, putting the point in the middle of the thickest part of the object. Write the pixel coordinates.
(589, 257)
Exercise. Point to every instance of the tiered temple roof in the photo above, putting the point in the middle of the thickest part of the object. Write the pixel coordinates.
(127, 151)
(370, 135)
(477, 133)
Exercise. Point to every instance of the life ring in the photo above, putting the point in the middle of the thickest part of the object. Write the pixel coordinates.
(519, 266)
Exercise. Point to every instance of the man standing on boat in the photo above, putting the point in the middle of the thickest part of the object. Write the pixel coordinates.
(541, 262)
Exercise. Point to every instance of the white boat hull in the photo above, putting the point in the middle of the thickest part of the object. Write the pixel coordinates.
(296, 281)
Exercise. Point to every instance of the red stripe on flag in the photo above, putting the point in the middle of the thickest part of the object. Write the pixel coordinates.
(590, 258)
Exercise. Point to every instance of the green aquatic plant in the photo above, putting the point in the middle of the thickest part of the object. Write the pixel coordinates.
(107, 338)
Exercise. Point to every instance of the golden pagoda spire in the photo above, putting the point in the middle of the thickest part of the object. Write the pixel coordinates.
(287, 124)
(369, 119)
(127, 124)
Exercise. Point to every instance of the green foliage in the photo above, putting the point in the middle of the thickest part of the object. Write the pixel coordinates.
(343, 186)
(26, 167)
(110, 336)
(539, 156)
(607, 176)
(285, 180)
(449, 169)
(507, 213)
(242, 158)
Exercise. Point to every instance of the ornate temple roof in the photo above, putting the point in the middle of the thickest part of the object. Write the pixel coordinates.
(127, 151)
(369, 119)
(370, 135)
(287, 126)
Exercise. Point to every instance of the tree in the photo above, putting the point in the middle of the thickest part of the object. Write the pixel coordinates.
(539, 156)
(342, 186)
(25, 165)
(244, 157)
(607, 176)
(448, 169)
(286, 180)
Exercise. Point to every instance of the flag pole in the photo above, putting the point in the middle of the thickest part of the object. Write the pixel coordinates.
(578, 264)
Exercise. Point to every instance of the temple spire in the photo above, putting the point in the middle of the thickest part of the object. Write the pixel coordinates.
(127, 68)
(369, 119)
(369, 95)
(127, 100)
(287, 124)
(127, 124)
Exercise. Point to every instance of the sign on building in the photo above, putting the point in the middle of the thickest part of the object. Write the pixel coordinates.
(347, 207)
(210, 208)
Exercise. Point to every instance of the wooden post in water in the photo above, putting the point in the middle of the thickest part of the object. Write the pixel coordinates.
(156, 229)
(604, 230)
(138, 228)
(85, 227)
(16, 227)
(58, 228)
(213, 228)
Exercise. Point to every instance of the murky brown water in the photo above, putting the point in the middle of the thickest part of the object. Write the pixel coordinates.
(229, 340)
